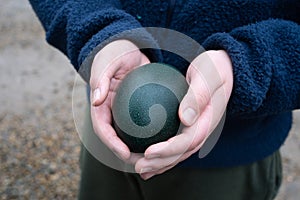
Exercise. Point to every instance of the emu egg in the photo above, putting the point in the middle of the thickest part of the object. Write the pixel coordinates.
(145, 108)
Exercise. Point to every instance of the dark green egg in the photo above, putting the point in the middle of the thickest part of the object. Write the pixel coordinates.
(145, 108)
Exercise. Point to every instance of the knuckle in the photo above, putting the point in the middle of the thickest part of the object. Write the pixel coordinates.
(193, 145)
(201, 98)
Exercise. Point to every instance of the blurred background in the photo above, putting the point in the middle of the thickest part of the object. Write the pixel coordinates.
(39, 145)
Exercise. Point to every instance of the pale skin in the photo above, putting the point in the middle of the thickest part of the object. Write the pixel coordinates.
(210, 79)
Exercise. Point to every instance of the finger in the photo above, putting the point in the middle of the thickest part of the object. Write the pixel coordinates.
(134, 158)
(203, 79)
(101, 118)
(104, 72)
(152, 171)
(144, 60)
(100, 92)
(149, 165)
(189, 139)
(189, 109)
(195, 101)
(149, 175)
(101, 74)
(216, 123)
(174, 146)
(103, 68)
(193, 137)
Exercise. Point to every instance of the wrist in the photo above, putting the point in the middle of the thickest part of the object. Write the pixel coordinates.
(222, 62)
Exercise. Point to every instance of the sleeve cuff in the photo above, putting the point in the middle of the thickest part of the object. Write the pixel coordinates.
(248, 88)
(139, 36)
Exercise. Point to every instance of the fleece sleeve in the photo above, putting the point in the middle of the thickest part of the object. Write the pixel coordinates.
(266, 67)
(78, 28)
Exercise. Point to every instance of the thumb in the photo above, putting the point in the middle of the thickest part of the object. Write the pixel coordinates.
(195, 101)
(99, 91)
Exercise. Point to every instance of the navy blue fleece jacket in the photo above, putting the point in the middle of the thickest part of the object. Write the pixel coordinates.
(262, 38)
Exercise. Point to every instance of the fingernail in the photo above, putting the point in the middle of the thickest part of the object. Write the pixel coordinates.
(189, 116)
(147, 176)
(96, 95)
(118, 155)
(121, 156)
(145, 170)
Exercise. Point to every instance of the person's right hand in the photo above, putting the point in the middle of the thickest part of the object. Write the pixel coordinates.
(110, 65)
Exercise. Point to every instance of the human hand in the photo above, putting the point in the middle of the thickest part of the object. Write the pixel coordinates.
(210, 79)
(110, 66)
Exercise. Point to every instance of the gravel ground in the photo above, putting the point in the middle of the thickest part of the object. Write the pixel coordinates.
(39, 145)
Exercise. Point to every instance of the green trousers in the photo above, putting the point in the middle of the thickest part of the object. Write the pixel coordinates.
(256, 181)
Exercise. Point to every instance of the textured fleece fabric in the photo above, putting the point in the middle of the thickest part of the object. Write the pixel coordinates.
(262, 38)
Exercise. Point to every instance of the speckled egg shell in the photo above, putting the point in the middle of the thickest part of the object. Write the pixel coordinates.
(145, 108)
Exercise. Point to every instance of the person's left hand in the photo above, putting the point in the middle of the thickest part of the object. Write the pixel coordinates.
(210, 79)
